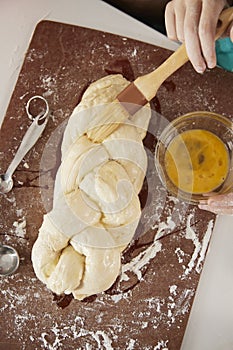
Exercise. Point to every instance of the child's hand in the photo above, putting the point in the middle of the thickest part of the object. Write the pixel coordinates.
(194, 22)
(222, 204)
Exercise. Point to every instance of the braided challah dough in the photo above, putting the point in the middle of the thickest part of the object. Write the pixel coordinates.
(96, 208)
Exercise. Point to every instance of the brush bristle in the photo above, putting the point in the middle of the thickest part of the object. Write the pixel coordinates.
(106, 121)
(127, 103)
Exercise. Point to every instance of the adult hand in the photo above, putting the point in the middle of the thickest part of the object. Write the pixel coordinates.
(222, 204)
(194, 22)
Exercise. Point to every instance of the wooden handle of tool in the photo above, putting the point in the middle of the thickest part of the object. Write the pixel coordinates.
(226, 17)
(149, 84)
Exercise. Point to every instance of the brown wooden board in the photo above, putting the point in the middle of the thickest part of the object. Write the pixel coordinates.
(149, 309)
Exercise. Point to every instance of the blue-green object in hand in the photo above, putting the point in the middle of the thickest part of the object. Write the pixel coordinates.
(224, 52)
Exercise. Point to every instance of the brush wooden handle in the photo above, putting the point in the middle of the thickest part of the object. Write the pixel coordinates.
(144, 88)
(148, 84)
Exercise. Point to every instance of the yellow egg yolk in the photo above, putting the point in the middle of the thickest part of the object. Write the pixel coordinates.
(197, 161)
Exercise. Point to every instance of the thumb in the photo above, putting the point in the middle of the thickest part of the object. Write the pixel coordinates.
(231, 33)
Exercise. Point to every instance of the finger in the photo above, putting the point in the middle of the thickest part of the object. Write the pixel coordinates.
(207, 30)
(218, 211)
(221, 204)
(180, 10)
(191, 36)
(170, 22)
(231, 33)
(222, 200)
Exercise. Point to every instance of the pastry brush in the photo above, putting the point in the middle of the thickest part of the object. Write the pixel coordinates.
(143, 89)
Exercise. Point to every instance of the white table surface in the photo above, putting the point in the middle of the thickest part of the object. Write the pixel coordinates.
(210, 325)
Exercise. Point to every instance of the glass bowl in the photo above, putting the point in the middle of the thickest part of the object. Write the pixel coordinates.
(193, 156)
